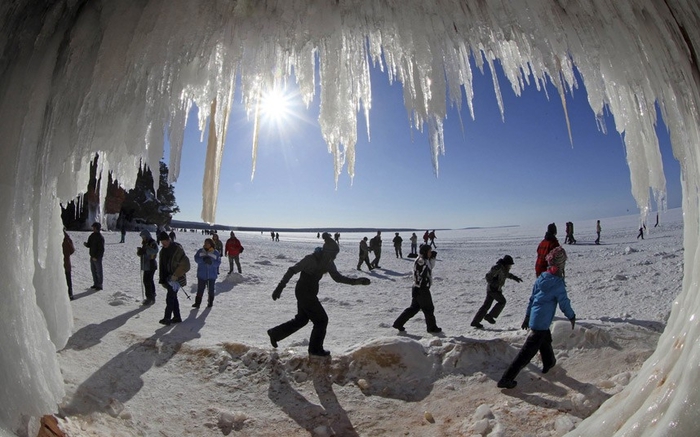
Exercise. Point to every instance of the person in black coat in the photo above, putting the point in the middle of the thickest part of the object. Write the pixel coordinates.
(96, 244)
(375, 245)
(311, 268)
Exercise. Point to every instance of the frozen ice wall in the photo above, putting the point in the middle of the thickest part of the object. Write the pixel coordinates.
(115, 77)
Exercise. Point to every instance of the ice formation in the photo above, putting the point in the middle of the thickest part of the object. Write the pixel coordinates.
(79, 77)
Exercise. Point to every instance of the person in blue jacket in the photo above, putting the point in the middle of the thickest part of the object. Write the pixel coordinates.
(208, 261)
(548, 291)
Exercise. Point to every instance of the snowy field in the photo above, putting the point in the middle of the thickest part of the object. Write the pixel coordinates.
(216, 373)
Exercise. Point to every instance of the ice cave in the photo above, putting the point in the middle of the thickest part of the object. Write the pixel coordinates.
(117, 77)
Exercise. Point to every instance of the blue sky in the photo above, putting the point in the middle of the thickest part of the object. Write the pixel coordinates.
(523, 171)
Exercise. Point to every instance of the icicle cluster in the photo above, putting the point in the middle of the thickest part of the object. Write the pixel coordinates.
(115, 77)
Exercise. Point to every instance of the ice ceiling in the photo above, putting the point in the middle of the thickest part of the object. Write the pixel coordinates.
(79, 76)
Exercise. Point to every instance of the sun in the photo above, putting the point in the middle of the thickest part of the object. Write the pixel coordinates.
(275, 104)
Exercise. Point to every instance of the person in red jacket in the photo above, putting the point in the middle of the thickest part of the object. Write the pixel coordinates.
(233, 249)
(550, 242)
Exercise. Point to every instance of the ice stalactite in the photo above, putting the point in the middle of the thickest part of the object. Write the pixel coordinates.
(78, 77)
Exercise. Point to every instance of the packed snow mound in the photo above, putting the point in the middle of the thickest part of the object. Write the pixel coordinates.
(563, 337)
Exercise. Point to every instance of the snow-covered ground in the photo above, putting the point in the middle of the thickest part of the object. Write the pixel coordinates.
(216, 373)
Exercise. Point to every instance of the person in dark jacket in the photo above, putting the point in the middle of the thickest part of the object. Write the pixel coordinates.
(208, 260)
(233, 249)
(68, 249)
(375, 245)
(421, 299)
(173, 265)
(495, 279)
(548, 291)
(364, 255)
(148, 253)
(546, 245)
(311, 268)
(397, 245)
(96, 244)
(414, 244)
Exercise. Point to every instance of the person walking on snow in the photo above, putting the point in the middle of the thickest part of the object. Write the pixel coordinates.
(414, 244)
(397, 245)
(421, 299)
(548, 291)
(641, 232)
(495, 279)
(233, 249)
(364, 255)
(311, 269)
(173, 265)
(375, 245)
(597, 231)
(208, 260)
(546, 245)
(432, 238)
(426, 237)
(147, 254)
(96, 244)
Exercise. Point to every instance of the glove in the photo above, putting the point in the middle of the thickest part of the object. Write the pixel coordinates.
(361, 281)
(278, 292)
(517, 279)
(526, 323)
(207, 260)
(573, 322)
(139, 251)
(241, 250)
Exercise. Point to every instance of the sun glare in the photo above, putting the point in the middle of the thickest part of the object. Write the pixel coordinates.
(275, 105)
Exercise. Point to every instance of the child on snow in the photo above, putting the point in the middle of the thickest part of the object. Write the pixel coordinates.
(208, 260)
(496, 278)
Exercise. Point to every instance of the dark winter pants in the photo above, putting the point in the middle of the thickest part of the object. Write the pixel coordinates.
(201, 284)
(231, 260)
(364, 259)
(414, 248)
(308, 308)
(398, 252)
(96, 270)
(148, 285)
(172, 305)
(377, 256)
(537, 341)
(69, 281)
(421, 300)
(496, 311)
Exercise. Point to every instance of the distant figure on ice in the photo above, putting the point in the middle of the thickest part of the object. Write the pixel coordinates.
(397, 245)
(123, 231)
(569, 239)
(96, 244)
(432, 238)
(277, 236)
(272, 234)
(68, 250)
(495, 279)
(208, 260)
(421, 299)
(375, 245)
(657, 220)
(597, 231)
(173, 265)
(147, 254)
(172, 236)
(318, 235)
(641, 232)
(426, 237)
(336, 236)
(414, 244)
(364, 255)
(311, 268)
(546, 245)
(548, 291)
(233, 249)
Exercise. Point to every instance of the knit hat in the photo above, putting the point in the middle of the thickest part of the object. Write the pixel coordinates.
(145, 234)
(556, 259)
(162, 236)
(330, 246)
(552, 228)
(507, 260)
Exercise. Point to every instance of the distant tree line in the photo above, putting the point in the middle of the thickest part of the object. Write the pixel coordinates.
(140, 204)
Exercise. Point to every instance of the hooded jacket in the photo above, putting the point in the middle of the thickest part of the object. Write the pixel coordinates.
(233, 246)
(423, 272)
(550, 242)
(548, 291)
(496, 277)
(173, 262)
(148, 252)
